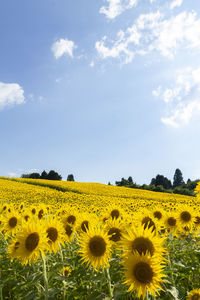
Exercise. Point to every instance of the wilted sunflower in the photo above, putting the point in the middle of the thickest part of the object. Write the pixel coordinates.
(143, 241)
(95, 248)
(55, 234)
(194, 295)
(32, 241)
(143, 273)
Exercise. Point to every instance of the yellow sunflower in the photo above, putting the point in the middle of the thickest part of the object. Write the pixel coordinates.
(66, 271)
(143, 273)
(143, 241)
(11, 223)
(115, 229)
(13, 249)
(95, 248)
(32, 241)
(55, 234)
(194, 295)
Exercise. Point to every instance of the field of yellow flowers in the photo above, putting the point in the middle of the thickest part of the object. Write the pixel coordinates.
(70, 240)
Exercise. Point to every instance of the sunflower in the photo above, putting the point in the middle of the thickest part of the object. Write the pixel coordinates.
(32, 241)
(194, 295)
(143, 241)
(13, 249)
(146, 220)
(71, 217)
(68, 232)
(55, 234)
(10, 223)
(66, 271)
(143, 273)
(170, 222)
(115, 211)
(115, 230)
(95, 247)
(85, 221)
(186, 216)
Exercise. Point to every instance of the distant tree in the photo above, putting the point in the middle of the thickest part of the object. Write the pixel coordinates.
(130, 180)
(70, 177)
(178, 178)
(25, 176)
(52, 175)
(189, 180)
(43, 175)
(109, 183)
(34, 175)
(161, 180)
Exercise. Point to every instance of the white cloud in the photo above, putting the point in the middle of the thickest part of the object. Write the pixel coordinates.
(116, 7)
(176, 3)
(63, 47)
(12, 174)
(182, 99)
(153, 32)
(11, 94)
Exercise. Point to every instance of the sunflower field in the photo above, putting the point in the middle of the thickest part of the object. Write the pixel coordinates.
(70, 240)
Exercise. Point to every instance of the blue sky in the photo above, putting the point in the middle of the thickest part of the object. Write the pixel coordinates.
(101, 89)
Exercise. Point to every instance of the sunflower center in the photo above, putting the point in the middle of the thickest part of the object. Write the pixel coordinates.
(143, 272)
(66, 272)
(16, 245)
(85, 225)
(171, 221)
(142, 245)
(32, 241)
(196, 297)
(197, 221)
(71, 219)
(115, 234)
(157, 215)
(115, 213)
(105, 219)
(26, 217)
(68, 230)
(185, 216)
(97, 246)
(13, 222)
(40, 214)
(33, 211)
(148, 222)
(52, 234)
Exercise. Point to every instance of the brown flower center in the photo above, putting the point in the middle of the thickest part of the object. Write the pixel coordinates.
(115, 234)
(32, 241)
(68, 230)
(97, 246)
(142, 245)
(12, 222)
(40, 214)
(85, 225)
(148, 222)
(171, 221)
(71, 219)
(143, 272)
(52, 234)
(115, 213)
(186, 216)
(197, 221)
(196, 297)
(157, 215)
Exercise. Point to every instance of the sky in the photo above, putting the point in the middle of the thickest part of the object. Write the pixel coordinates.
(102, 89)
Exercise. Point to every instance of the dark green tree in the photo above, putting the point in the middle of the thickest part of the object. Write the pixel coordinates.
(178, 178)
(52, 175)
(43, 175)
(162, 181)
(130, 180)
(70, 177)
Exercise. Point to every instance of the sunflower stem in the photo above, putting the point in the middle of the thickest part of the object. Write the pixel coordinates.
(45, 277)
(109, 283)
(63, 273)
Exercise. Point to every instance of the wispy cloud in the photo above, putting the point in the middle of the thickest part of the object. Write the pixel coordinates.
(153, 32)
(11, 94)
(116, 7)
(63, 47)
(176, 3)
(182, 98)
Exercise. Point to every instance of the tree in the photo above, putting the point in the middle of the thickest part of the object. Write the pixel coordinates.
(130, 180)
(178, 178)
(161, 180)
(43, 175)
(70, 177)
(52, 175)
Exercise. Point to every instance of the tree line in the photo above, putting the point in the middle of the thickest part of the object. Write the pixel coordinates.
(52, 175)
(162, 184)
